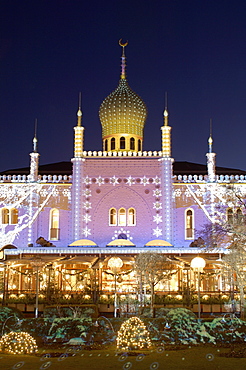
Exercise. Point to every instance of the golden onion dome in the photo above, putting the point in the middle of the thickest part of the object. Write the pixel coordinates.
(123, 114)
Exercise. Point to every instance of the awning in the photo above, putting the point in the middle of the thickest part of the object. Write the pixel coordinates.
(158, 243)
(83, 243)
(120, 243)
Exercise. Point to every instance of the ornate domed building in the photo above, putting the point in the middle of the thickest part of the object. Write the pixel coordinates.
(70, 218)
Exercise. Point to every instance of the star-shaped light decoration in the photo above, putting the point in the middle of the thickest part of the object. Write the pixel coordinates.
(66, 193)
(114, 180)
(87, 218)
(87, 192)
(86, 231)
(130, 181)
(157, 232)
(156, 180)
(157, 218)
(144, 181)
(100, 181)
(87, 180)
(177, 193)
(43, 193)
(87, 205)
(157, 205)
(157, 193)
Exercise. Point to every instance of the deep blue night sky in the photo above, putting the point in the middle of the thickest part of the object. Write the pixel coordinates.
(51, 50)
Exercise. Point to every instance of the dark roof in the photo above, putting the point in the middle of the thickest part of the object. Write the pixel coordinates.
(179, 168)
(189, 168)
(58, 168)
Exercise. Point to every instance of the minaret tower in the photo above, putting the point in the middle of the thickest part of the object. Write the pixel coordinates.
(33, 177)
(166, 180)
(211, 158)
(78, 173)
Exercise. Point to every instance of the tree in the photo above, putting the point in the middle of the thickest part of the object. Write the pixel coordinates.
(228, 231)
(133, 335)
(235, 263)
(152, 268)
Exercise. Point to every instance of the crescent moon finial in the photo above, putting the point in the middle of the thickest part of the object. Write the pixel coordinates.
(123, 44)
(123, 59)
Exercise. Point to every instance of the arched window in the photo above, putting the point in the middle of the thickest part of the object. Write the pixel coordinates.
(122, 217)
(239, 215)
(54, 224)
(230, 216)
(106, 145)
(122, 142)
(113, 143)
(112, 217)
(132, 143)
(131, 219)
(14, 216)
(139, 145)
(189, 224)
(5, 216)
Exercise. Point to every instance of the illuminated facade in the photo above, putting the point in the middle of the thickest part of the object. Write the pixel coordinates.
(118, 201)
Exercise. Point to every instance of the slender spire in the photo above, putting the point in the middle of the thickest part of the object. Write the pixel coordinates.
(79, 113)
(123, 60)
(35, 140)
(210, 139)
(211, 158)
(165, 111)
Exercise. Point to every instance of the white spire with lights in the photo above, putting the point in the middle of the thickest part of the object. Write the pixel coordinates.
(211, 158)
(166, 133)
(34, 157)
(79, 134)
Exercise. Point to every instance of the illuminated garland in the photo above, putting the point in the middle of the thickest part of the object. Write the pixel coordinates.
(18, 343)
(133, 335)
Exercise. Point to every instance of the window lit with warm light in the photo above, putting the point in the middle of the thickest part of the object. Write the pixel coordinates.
(112, 217)
(54, 224)
(189, 224)
(131, 219)
(122, 217)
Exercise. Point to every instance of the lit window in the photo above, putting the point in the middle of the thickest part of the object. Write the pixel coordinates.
(139, 145)
(122, 217)
(131, 217)
(112, 217)
(113, 143)
(54, 224)
(189, 224)
(122, 143)
(14, 216)
(5, 216)
(230, 216)
(132, 143)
